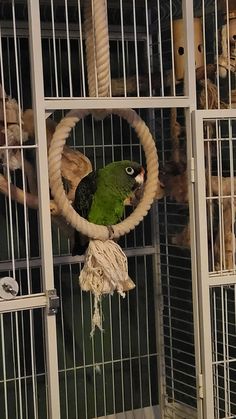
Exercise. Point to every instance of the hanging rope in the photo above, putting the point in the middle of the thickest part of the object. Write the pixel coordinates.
(97, 47)
(97, 51)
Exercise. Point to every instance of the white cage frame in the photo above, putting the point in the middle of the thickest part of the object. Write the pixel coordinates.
(42, 107)
(201, 280)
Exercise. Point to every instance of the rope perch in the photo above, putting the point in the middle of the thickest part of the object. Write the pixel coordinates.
(91, 230)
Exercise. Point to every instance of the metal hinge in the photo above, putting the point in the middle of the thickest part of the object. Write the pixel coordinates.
(200, 386)
(53, 302)
(192, 170)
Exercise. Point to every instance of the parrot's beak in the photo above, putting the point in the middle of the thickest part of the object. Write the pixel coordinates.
(139, 179)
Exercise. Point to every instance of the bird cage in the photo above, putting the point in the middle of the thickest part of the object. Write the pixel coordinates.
(83, 84)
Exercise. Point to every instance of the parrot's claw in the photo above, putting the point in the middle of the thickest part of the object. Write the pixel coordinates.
(110, 231)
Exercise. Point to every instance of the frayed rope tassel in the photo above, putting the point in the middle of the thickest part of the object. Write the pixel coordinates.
(105, 270)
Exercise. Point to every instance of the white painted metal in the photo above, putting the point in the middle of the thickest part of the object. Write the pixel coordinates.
(23, 303)
(172, 48)
(190, 79)
(109, 103)
(146, 413)
(202, 264)
(43, 191)
(212, 114)
(190, 82)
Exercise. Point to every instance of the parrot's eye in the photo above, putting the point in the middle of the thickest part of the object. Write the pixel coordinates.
(129, 171)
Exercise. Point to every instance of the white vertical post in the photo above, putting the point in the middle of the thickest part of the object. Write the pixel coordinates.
(189, 71)
(190, 91)
(44, 202)
(203, 268)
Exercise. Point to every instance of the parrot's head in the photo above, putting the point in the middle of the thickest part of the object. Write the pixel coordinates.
(126, 175)
(137, 173)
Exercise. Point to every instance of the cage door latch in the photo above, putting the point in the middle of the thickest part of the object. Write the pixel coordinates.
(53, 302)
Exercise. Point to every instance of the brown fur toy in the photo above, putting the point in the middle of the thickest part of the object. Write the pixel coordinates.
(173, 176)
(74, 164)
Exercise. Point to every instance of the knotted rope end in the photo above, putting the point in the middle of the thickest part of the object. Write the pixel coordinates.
(105, 271)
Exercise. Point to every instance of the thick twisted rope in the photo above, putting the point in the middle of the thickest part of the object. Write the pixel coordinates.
(57, 189)
(97, 47)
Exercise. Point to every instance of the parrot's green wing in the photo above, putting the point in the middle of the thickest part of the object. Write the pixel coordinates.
(82, 203)
(84, 194)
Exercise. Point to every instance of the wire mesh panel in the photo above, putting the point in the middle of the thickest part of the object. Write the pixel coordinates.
(224, 350)
(140, 41)
(23, 367)
(179, 386)
(220, 149)
(115, 371)
(18, 153)
(26, 373)
(217, 85)
(147, 50)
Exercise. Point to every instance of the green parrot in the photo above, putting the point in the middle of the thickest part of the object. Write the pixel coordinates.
(100, 196)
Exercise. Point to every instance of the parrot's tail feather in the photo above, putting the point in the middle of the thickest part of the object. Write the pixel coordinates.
(80, 244)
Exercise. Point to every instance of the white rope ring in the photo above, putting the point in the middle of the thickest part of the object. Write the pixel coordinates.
(91, 230)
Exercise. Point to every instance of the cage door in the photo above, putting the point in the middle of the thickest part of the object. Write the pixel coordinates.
(215, 188)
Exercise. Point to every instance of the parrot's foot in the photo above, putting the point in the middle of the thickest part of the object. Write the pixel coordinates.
(110, 231)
